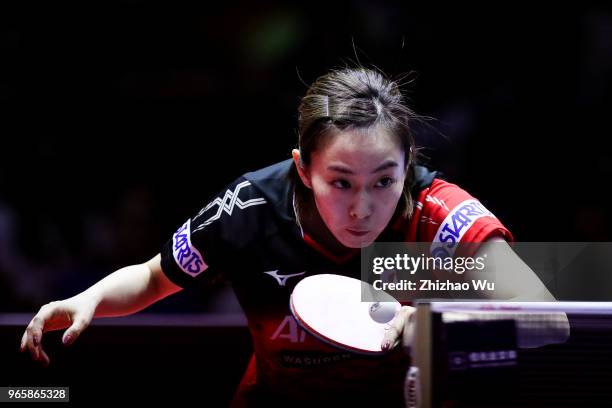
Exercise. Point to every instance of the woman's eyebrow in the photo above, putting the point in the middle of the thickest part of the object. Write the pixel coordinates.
(345, 170)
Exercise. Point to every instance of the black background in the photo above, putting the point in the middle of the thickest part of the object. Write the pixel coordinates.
(120, 119)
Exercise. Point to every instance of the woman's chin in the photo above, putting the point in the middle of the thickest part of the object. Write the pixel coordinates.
(356, 243)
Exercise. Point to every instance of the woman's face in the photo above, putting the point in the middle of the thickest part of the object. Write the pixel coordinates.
(357, 179)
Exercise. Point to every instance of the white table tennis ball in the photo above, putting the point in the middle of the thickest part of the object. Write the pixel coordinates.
(383, 312)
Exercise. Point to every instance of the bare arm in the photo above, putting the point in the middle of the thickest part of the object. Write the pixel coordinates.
(130, 289)
(125, 291)
(514, 279)
(514, 282)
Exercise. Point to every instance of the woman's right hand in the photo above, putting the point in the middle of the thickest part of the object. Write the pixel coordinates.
(75, 314)
(123, 292)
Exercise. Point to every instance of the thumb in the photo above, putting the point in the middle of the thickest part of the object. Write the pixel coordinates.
(399, 329)
(74, 331)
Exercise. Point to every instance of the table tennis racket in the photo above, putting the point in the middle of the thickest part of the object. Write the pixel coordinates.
(330, 307)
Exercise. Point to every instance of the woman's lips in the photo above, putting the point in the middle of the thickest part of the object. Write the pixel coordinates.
(357, 233)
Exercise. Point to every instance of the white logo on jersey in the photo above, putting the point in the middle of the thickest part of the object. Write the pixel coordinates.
(187, 257)
(295, 334)
(436, 201)
(428, 220)
(282, 279)
(229, 201)
(456, 224)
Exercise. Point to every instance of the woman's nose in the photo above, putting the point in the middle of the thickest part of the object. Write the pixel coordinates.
(362, 206)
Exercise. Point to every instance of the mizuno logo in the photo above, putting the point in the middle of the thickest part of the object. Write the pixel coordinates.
(229, 201)
(282, 279)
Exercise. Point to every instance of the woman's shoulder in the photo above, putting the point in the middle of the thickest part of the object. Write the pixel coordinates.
(276, 171)
(275, 184)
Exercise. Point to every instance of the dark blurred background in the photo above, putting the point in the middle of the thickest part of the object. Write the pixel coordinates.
(120, 119)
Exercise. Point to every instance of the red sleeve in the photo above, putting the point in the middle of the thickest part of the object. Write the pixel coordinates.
(445, 214)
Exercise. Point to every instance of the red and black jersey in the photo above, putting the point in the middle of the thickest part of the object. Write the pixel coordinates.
(445, 214)
(249, 234)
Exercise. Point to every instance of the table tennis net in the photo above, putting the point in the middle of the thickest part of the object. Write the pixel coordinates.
(482, 354)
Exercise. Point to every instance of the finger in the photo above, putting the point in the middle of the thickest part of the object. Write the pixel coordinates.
(390, 339)
(36, 340)
(34, 352)
(396, 329)
(409, 329)
(74, 331)
(22, 345)
(35, 329)
(31, 342)
(44, 358)
(393, 331)
(39, 353)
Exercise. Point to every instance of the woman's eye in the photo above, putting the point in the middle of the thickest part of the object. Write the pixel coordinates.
(341, 184)
(385, 182)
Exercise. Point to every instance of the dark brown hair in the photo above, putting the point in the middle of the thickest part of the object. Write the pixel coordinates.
(355, 99)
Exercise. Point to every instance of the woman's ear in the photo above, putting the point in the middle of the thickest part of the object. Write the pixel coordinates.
(303, 172)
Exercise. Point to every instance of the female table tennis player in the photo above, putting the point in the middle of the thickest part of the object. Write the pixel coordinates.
(354, 180)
